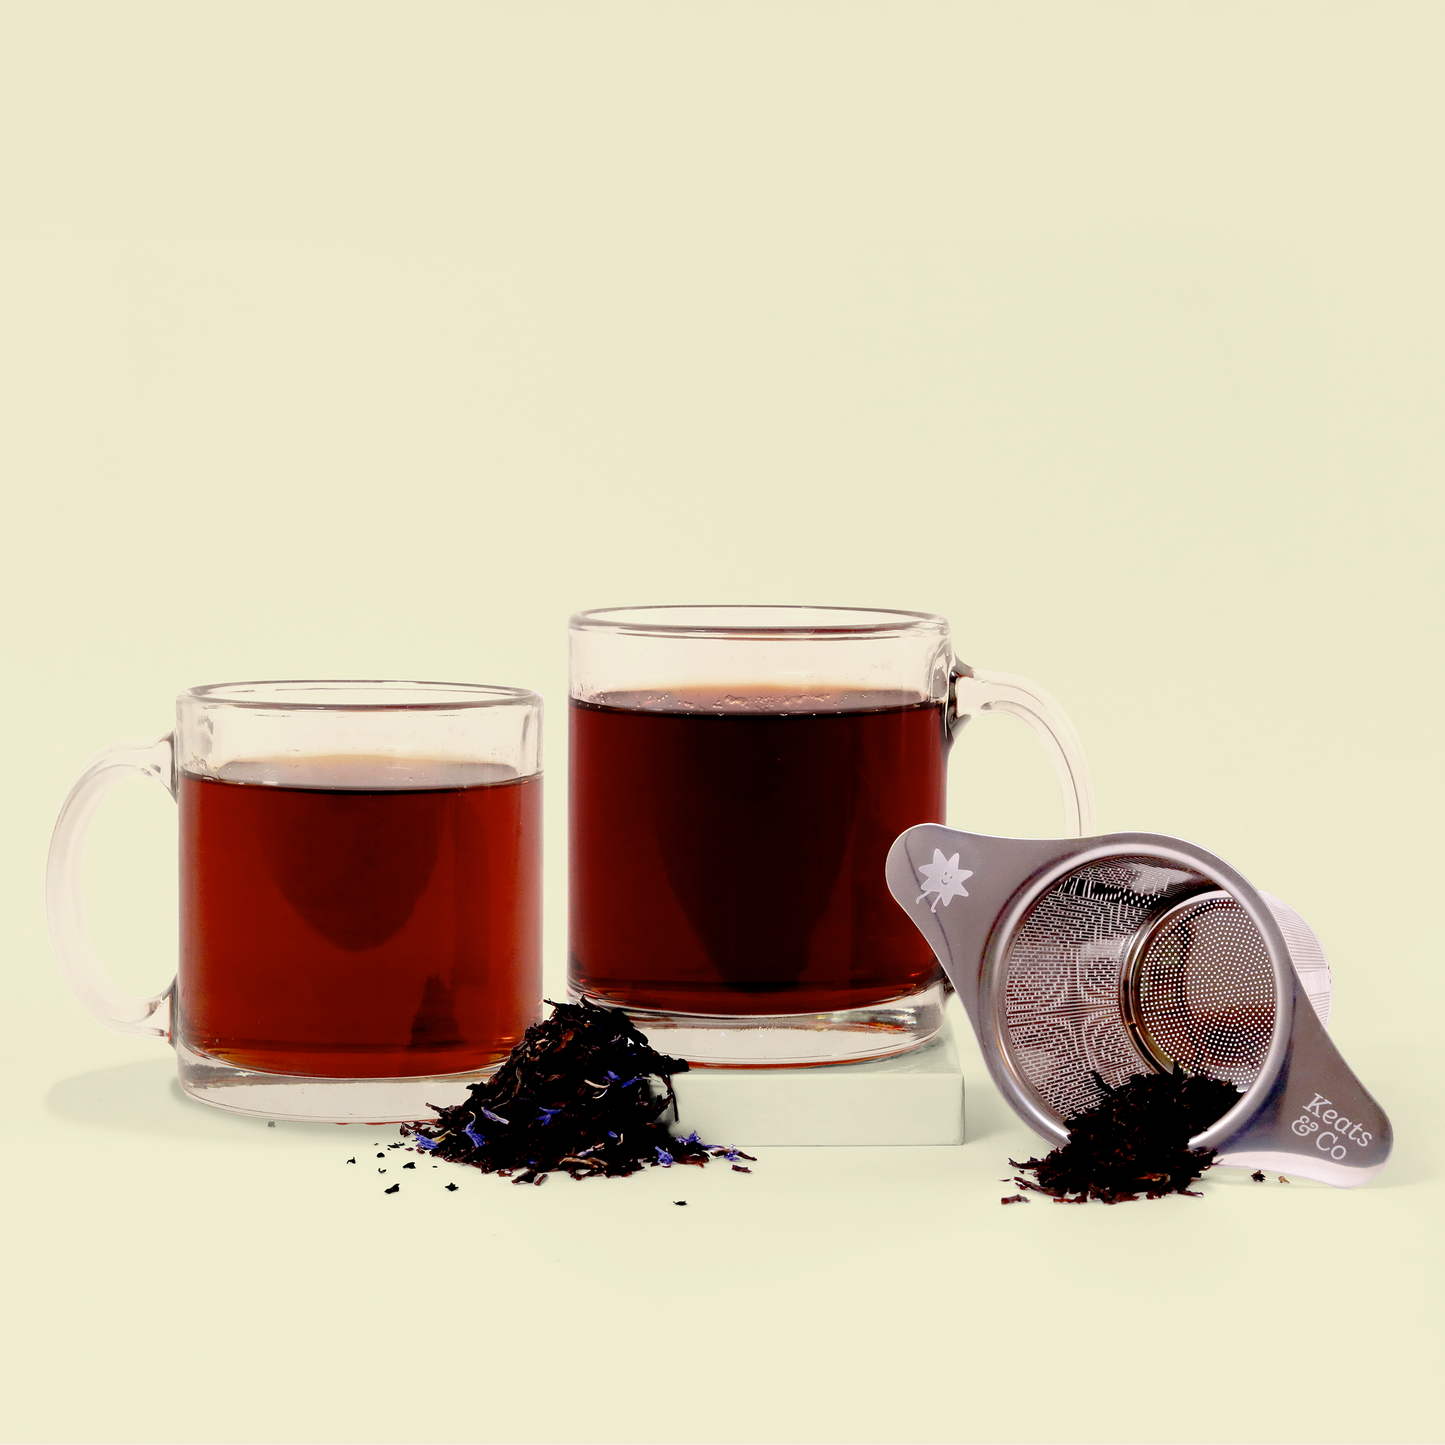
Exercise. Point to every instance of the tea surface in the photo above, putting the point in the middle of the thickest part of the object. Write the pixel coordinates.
(335, 928)
(731, 862)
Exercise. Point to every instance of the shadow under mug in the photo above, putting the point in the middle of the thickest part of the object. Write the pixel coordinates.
(360, 893)
(737, 777)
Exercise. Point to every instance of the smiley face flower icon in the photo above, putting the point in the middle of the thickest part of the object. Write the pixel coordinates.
(944, 877)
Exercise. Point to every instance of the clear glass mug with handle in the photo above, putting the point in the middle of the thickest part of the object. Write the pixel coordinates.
(737, 777)
(360, 893)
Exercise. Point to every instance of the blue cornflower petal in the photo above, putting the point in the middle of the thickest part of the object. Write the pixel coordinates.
(546, 1115)
(663, 1157)
(495, 1118)
(477, 1139)
(424, 1143)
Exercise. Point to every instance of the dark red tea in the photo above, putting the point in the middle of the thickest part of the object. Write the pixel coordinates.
(732, 862)
(333, 927)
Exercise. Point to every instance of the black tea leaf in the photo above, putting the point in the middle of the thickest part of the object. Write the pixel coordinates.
(583, 1093)
(1135, 1141)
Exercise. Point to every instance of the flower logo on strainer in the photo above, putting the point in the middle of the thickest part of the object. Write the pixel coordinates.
(944, 877)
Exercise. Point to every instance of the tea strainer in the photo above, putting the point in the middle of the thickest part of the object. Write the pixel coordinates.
(1132, 953)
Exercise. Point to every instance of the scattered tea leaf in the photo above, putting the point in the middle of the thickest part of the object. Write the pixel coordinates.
(583, 1093)
(392, 1190)
(1134, 1142)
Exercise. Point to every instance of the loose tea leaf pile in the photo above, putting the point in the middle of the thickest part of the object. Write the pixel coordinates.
(1135, 1141)
(576, 1096)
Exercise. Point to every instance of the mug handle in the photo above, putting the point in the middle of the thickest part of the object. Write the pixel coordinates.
(971, 692)
(64, 892)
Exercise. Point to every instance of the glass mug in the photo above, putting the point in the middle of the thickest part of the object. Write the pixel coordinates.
(737, 777)
(360, 893)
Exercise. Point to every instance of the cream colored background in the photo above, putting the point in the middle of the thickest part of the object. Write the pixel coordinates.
(360, 340)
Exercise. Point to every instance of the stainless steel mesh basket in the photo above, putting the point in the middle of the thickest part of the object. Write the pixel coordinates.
(1132, 953)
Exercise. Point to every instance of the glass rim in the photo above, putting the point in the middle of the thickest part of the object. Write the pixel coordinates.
(827, 621)
(411, 696)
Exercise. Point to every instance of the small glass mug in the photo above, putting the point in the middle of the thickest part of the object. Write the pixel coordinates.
(360, 893)
(737, 777)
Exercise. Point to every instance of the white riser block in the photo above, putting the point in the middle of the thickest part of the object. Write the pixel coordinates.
(915, 1098)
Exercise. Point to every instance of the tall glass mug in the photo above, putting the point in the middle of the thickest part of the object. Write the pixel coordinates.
(738, 775)
(360, 871)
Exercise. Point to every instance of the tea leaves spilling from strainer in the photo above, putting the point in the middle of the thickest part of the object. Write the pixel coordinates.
(1135, 1142)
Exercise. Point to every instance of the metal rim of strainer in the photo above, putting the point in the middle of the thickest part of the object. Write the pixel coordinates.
(994, 973)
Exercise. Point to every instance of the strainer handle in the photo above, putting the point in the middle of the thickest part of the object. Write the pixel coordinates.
(64, 898)
(973, 692)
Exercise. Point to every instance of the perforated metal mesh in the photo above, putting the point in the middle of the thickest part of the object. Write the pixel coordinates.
(1113, 972)
(1203, 992)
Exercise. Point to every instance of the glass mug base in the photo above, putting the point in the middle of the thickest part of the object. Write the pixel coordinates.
(789, 1041)
(308, 1099)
